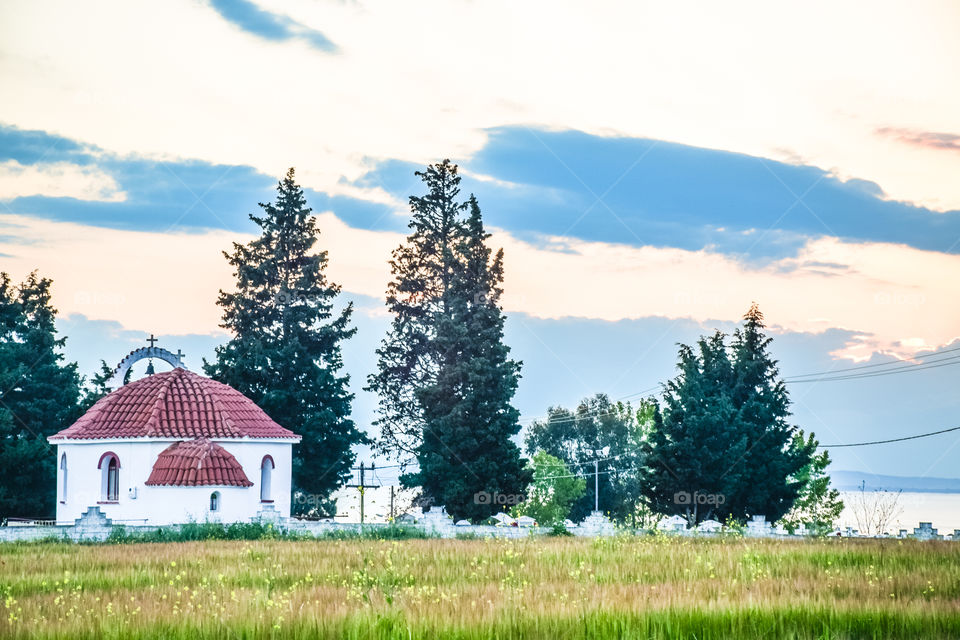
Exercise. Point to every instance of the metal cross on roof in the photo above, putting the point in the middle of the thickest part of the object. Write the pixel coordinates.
(152, 340)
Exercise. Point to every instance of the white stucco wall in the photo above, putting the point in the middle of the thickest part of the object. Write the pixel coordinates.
(138, 503)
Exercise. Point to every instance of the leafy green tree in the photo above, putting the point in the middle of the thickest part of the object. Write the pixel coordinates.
(445, 378)
(818, 506)
(39, 396)
(552, 492)
(724, 448)
(599, 428)
(285, 353)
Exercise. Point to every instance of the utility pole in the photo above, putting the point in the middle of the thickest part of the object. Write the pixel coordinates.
(363, 486)
(596, 485)
(391, 503)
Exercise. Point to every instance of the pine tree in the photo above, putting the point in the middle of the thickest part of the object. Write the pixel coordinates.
(96, 388)
(39, 396)
(768, 479)
(724, 448)
(287, 335)
(691, 463)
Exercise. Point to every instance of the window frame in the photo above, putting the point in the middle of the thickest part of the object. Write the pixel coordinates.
(266, 479)
(109, 478)
(63, 478)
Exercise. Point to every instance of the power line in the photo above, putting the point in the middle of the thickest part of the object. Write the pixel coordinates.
(819, 446)
(870, 366)
(573, 475)
(864, 444)
(898, 366)
(904, 368)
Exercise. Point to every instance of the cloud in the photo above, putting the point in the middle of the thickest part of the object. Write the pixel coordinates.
(423, 80)
(533, 183)
(57, 180)
(927, 139)
(886, 296)
(270, 26)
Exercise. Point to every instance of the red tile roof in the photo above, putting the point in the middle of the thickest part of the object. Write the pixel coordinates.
(197, 463)
(175, 404)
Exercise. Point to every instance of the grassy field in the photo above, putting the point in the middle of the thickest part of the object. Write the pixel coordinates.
(533, 588)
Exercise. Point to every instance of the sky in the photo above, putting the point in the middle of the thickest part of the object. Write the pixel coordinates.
(650, 169)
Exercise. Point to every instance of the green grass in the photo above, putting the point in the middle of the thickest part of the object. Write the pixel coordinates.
(192, 532)
(546, 587)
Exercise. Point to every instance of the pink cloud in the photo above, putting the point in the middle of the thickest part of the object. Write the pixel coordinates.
(918, 138)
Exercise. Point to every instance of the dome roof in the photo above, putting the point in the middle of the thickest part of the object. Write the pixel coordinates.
(174, 404)
(197, 463)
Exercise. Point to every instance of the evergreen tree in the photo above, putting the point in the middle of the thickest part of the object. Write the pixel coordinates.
(466, 448)
(96, 387)
(417, 298)
(39, 396)
(768, 481)
(445, 378)
(287, 334)
(724, 448)
(691, 466)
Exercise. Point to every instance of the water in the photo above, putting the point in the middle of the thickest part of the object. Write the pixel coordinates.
(942, 509)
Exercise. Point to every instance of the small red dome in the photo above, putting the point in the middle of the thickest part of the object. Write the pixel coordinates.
(174, 404)
(197, 463)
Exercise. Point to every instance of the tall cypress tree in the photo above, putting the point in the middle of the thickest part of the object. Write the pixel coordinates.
(417, 298)
(444, 377)
(39, 396)
(466, 447)
(287, 334)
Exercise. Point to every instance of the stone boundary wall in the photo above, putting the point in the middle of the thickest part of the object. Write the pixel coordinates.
(94, 526)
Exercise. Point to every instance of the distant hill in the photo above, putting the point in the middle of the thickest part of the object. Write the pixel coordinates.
(850, 481)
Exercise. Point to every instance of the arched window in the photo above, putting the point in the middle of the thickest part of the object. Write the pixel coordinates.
(113, 480)
(266, 473)
(110, 483)
(215, 501)
(63, 478)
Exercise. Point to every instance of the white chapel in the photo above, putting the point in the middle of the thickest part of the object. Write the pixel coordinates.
(174, 447)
